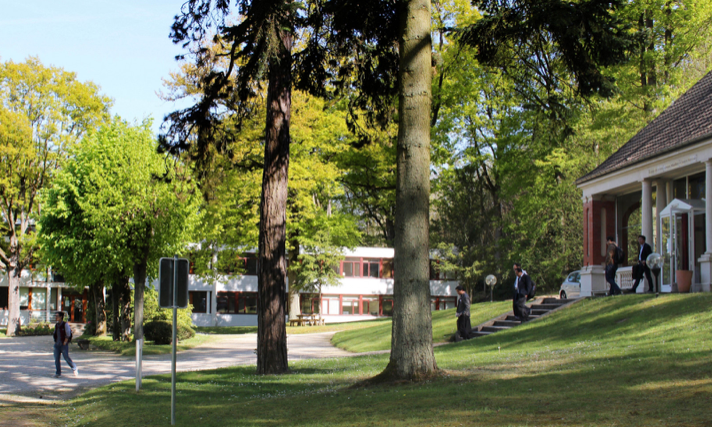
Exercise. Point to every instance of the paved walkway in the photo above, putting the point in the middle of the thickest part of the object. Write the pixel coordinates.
(27, 363)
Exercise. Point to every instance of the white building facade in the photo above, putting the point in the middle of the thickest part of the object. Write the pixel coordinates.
(365, 292)
(42, 295)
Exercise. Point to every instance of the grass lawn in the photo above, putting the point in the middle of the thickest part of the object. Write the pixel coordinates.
(129, 348)
(378, 337)
(633, 360)
(2, 333)
(294, 330)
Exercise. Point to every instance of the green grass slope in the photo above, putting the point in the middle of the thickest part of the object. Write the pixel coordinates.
(621, 361)
(378, 337)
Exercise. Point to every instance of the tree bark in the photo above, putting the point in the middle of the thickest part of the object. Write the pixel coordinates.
(412, 338)
(125, 308)
(97, 291)
(271, 326)
(139, 271)
(115, 314)
(13, 303)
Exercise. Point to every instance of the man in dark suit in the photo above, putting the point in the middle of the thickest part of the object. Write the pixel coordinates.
(464, 328)
(641, 268)
(524, 286)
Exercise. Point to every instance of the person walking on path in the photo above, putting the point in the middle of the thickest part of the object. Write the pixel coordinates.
(62, 336)
(613, 258)
(523, 286)
(516, 286)
(463, 313)
(642, 267)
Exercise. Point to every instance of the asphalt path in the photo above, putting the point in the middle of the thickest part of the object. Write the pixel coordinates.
(27, 363)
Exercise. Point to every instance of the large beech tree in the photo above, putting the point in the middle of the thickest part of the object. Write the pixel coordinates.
(43, 112)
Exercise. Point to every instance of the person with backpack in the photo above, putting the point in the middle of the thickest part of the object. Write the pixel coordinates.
(614, 256)
(464, 328)
(62, 338)
(523, 288)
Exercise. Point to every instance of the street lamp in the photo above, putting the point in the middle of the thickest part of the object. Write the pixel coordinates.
(491, 280)
(655, 263)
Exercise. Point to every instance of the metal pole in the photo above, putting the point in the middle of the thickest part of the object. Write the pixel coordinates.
(139, 357)
(173, 364)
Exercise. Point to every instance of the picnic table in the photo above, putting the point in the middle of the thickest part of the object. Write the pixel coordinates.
(306, 319)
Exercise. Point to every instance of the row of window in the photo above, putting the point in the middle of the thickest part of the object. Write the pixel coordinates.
(246, 303)
(376, 268)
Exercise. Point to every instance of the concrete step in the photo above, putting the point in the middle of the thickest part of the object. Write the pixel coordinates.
(476, 334)
(545, 306)
(495, 328)
(556, 301)
(510, 317)
(509, 323)
(540, 311)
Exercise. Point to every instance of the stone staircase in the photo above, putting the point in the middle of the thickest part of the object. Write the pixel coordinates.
(539, 308)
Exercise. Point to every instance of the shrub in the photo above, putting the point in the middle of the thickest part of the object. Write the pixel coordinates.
(161, 332)
(35, 329)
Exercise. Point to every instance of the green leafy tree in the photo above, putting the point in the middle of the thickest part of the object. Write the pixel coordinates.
(117, 207)
(43, 112)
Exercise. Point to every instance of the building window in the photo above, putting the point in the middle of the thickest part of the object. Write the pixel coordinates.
(4, 297)
(24, 298)
(52, 299)
(309, 304)
(696, 186)
(680, 188)
(57, 277)
(229, 262)
(350, 305)
(351, 267)
(39, 299)
(199, 301)
(371, 305)
(387, 270)
(371, 268)
(236, 302)
(387, 306)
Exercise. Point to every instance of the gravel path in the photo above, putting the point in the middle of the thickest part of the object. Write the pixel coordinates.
(27, 363)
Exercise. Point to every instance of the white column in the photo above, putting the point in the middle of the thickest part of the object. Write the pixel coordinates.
(647, 210)
(706, 258)
(708, 205)
(48, 299)
(660, 203)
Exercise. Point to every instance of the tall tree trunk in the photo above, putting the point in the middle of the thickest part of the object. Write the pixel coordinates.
(97, 291)
(124, 292)
(13, 303)
(294, 303)
(139, 271)
(271, 327)
(412, 338)
(115, 314)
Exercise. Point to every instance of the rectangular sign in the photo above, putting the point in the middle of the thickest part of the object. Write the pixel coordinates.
(166, 269)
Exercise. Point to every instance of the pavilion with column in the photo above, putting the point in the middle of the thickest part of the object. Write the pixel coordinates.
(659, 184)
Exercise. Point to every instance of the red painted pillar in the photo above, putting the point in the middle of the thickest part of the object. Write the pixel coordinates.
(599, 222)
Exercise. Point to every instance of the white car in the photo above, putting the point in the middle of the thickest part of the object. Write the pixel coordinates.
(571, 288)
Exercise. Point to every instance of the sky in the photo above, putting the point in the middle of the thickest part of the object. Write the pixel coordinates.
(122, 46)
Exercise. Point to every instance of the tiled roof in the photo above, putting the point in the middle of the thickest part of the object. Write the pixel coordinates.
(687, 121)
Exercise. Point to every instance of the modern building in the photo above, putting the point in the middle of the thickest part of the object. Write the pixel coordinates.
(659, 184)
(40, 297)
(365, 292)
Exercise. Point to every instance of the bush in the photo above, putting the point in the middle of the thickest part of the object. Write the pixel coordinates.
(161, 332)
(35, 329)
(153, 313)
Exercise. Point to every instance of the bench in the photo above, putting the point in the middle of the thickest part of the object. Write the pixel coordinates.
(83, 344)
(296, 322)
